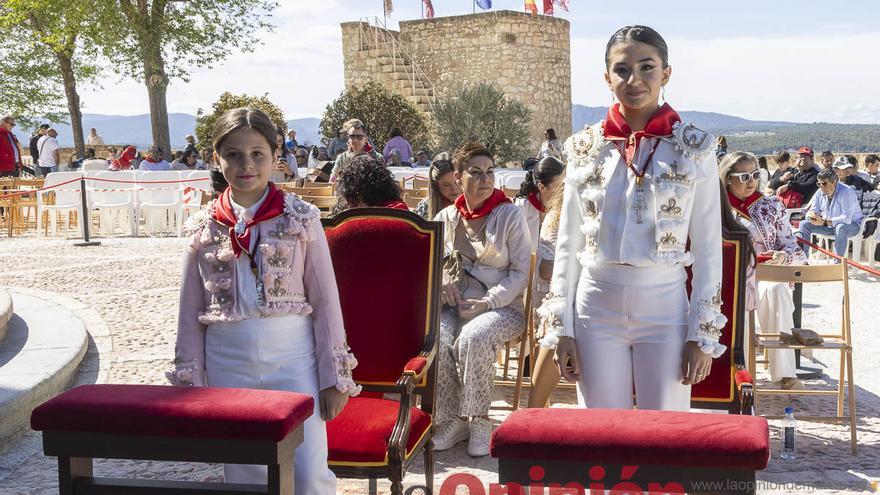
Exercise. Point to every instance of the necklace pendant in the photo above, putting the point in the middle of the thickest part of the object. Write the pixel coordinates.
(640, 179)
(240, 227)
(639, 203)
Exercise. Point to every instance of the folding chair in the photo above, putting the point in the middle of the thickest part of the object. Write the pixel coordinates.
(841, 341)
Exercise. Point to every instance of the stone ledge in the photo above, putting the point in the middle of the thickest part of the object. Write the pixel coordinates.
(5, 312)
(45, 343)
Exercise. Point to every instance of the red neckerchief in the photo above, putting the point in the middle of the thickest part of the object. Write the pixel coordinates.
(617, 129)
(742, 205)
(494, 200)
(272, 207)
(151, 160)
(396, 203)
(533, 199)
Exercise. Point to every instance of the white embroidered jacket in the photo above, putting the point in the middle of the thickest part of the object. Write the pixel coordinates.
(681, 192)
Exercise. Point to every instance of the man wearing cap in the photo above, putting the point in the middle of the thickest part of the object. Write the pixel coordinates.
(846, 174)
(835, 211)
(47, 148)
(802, 180)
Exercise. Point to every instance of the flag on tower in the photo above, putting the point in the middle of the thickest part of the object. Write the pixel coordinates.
(548, 7)
(562, 3)
(389, 6)
(429, 9)
(531, 7)
(484, 4)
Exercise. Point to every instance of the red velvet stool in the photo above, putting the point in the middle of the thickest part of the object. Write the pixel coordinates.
(223, 425)
(630, 450)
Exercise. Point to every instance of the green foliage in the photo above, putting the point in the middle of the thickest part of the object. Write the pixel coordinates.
(187, 34)
(855, 138)
(380, 110)
(205, 121)
(34, 36)
(483, 114)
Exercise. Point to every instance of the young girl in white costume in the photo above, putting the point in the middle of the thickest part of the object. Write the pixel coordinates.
(258, 303)
(639, 185)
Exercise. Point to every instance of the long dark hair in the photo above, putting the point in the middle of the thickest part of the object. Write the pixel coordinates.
(543, 173)
(239, 118)
(730, 224)
(638, 34)
(441, 166)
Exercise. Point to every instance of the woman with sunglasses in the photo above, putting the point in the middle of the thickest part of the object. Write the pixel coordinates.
(442, 187)
(775, 243)
(639, 185)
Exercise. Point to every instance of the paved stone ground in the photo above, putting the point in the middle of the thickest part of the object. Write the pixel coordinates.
(132, 284)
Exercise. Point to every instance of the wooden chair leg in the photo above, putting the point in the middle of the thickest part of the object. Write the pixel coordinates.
(841, 383)
(70, 468)
(852, 403)
(520, 371)
(506, 360)
(280, 480)
(429, 467)
(373, 486)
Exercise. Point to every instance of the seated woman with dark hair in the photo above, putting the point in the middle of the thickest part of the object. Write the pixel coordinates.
(540, 184)
(366, 182)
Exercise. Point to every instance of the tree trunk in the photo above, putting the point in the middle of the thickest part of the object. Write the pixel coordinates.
(157, 87)
(66, 66)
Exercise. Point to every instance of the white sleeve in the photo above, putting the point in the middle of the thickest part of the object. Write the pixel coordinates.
(705, 320)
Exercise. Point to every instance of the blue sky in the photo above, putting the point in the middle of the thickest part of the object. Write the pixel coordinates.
(766, 60)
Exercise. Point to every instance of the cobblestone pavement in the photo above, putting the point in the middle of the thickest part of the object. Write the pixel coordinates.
(132, 284)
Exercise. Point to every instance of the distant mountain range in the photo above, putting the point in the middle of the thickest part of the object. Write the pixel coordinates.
(753, 135)
(716, 123)
(135, 129)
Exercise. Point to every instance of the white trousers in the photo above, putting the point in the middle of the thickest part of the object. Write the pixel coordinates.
(630, 334)
(775, 307)
(273, 354)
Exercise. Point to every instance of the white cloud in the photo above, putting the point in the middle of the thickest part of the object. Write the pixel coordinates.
(803, 79)
(825, 77)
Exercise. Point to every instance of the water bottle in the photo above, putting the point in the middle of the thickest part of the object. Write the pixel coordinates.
(789, 426)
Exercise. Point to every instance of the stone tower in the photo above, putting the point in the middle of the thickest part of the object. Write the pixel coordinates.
(527, 56)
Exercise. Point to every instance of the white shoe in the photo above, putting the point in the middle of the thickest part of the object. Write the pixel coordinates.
(478, 444)
(450, 433)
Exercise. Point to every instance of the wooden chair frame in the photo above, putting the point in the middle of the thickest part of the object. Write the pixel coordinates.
(527, 335)
(75, 451)
(409, 384)
(841, 341)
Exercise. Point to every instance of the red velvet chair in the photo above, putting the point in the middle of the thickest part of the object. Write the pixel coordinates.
(388, 269)
(729, 384)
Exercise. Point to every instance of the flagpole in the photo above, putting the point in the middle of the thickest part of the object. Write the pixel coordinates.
(474, 5)
(423, 8)
(384, 14)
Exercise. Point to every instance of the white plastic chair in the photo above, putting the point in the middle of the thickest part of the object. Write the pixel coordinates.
(855, 240)
(95, 164)
(68, 197)
(513, 179)
(111, 199)
(160, 201)
(193, 190)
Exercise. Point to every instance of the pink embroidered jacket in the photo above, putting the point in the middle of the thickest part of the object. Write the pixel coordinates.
(296, 274)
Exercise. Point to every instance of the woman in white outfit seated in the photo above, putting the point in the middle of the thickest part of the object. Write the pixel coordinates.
(775, 243)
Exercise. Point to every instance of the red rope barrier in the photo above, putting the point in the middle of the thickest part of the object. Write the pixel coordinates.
(31, 191)
(53, 186)
(840, 258)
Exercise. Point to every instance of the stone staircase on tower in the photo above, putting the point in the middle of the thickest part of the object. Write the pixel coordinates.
(394, 68)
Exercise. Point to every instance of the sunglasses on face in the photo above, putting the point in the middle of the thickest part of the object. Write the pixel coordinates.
(356, 137)
(823, 184)
(747, 176)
